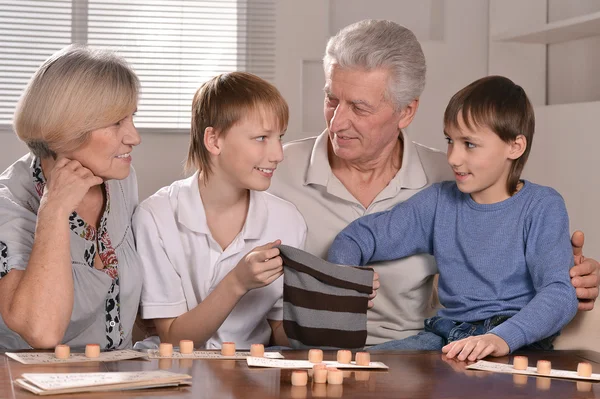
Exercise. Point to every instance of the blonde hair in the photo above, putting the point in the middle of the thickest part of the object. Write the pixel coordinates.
(222, 102)
(75, 91)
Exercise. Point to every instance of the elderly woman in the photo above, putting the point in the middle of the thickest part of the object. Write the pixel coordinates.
(69, 271)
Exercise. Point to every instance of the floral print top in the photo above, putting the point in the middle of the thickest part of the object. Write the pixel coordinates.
(98, 241)
(105, 299)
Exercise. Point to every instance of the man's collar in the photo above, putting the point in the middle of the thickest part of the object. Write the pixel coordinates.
(411, 174)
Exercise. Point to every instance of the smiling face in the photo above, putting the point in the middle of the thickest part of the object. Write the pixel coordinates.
(481, 161)
(361, 121)
(107, 151)
(250, 151)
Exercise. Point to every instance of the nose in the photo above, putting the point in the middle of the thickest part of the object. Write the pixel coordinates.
(339, 120)
(454, 156)
(275, 151)
(132, 136)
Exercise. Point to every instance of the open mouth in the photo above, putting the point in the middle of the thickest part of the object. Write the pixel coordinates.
(123, 156)
(266, 171)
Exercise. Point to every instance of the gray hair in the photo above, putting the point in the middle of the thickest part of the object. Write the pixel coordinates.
(372, 44)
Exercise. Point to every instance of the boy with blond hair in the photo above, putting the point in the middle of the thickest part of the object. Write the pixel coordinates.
(208, 243)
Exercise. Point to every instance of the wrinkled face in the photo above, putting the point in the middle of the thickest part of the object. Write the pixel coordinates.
(481, 162)
(107, 152)
(361, 121)
(250, 152)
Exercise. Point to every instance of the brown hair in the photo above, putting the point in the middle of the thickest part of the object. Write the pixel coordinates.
(75, 91)
(222, 102)
(501, 105)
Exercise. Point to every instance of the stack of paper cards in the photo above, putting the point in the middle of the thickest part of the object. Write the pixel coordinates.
(60, 383)
(50, 358)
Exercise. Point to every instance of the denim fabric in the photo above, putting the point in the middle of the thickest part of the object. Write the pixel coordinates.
(440, 331)
(423, 341)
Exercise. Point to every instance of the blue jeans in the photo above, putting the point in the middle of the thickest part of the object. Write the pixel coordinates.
(440, 331)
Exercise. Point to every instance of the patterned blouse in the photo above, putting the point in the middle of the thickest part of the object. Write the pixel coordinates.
(106, 299)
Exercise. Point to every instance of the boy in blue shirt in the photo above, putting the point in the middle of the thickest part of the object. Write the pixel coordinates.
(501, 244)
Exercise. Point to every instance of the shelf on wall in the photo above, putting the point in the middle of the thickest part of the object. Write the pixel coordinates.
(557, 32)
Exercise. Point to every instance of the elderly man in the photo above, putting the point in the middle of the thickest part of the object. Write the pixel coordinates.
(364, 163)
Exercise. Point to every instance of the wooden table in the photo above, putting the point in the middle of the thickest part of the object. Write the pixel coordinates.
(411, 375)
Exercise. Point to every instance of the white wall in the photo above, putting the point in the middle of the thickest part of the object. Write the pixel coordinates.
(573, 66)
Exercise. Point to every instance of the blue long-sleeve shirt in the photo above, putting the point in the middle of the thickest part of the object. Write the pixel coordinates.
(510, 258)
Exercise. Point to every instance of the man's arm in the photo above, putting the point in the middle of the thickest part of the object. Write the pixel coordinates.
(584, 275)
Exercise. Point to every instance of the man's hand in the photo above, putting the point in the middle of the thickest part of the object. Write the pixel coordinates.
(476, 347)
(584, 275)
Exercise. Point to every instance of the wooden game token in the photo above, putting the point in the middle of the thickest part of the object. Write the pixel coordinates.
(320, 376)
(186, 347)
(320, 366)
(165, 349)
(299, 378)
(315, 355)
(257, 350)
(363, 358)
(92, 350)
(584, 369)
(344, 356)
(542, 383)
(62, 351)
(228, 349)
(520, 362)
(335, 377)
(544, 367)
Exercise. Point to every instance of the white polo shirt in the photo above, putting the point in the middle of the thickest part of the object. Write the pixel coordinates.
(182, 263)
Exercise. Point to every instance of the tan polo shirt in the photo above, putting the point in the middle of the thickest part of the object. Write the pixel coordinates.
(305, 179)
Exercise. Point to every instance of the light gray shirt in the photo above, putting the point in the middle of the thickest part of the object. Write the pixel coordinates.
(105, 301)
(305, 179)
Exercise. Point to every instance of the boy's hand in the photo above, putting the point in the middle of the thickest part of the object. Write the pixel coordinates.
(476, 347)
(584, 275)
(260, 267)
(375, 288)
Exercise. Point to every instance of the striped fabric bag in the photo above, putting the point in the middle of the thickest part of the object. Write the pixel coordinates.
(324, 304)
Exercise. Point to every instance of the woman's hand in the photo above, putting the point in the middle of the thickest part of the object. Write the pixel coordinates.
(67, 183)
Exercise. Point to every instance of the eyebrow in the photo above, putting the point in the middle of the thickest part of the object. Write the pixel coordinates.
(354, 102)
(463, 138)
